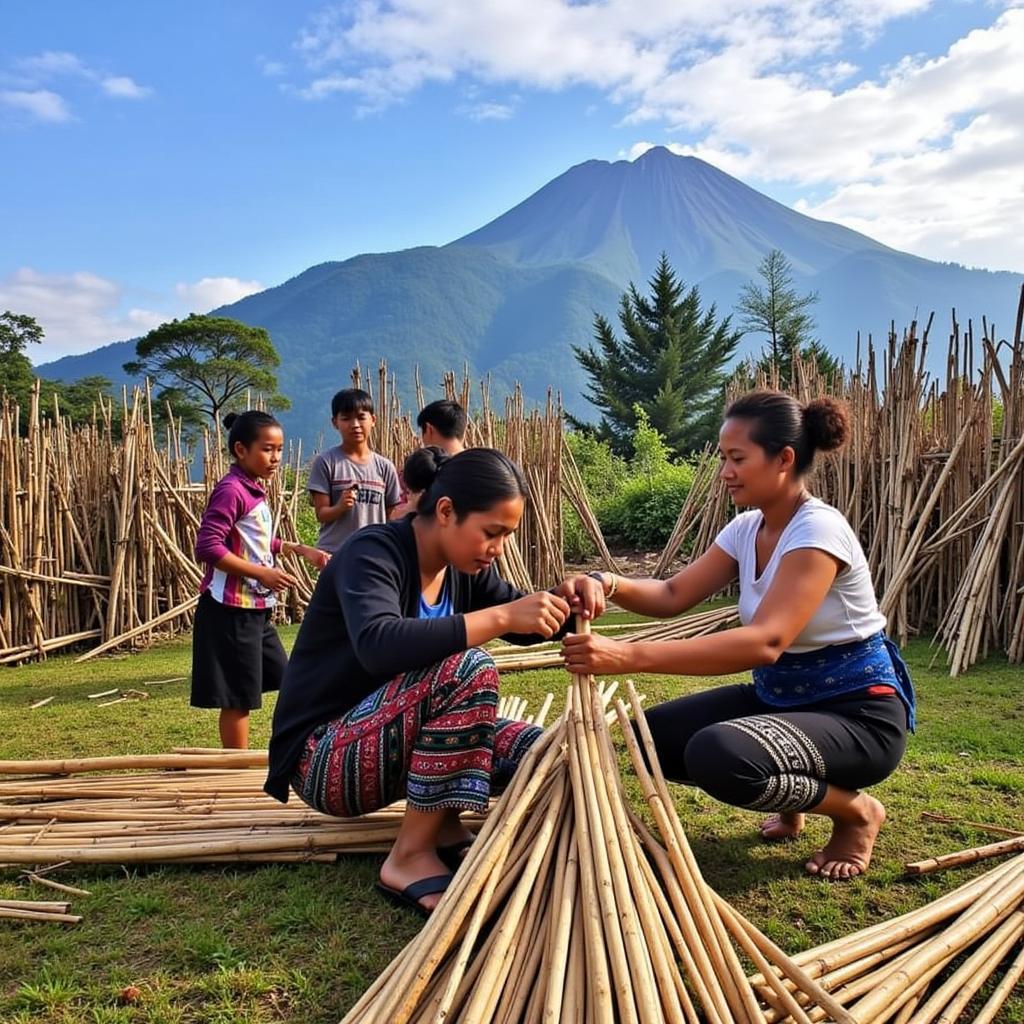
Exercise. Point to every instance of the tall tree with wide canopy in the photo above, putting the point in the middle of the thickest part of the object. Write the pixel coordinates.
(210, 362)
(670, 361)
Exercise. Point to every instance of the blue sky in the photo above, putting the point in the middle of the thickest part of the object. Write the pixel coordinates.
(162, 158)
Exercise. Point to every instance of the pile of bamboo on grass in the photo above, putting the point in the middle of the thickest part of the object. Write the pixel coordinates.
(47, 911)
(557, 913)
(189, 806)
(205, 806)
(932, 481)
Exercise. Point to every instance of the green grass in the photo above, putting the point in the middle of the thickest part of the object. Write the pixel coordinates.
(298, 943)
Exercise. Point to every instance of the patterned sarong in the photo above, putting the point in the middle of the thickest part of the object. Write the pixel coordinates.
(430, 736)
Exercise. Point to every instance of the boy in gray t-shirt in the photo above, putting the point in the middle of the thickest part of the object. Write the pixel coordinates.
(351, 486)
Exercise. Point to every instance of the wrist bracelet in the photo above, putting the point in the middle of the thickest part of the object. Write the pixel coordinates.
(599, 576)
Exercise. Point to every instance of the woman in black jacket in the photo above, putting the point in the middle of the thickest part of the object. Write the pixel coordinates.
(388, 694)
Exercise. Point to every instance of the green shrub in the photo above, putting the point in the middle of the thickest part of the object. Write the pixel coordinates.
(576, 543)
(602, 471)
(643, 511)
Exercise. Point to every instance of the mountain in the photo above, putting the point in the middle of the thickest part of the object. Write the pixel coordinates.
(510, 298)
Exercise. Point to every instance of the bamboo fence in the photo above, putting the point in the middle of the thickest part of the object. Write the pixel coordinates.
(98, 522)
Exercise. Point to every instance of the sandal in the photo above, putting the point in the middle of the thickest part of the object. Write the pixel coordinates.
(411, 895)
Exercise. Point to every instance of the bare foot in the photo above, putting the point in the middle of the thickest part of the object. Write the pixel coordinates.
(848, 853)
(778, 827)
(452, 832)
(400, 870)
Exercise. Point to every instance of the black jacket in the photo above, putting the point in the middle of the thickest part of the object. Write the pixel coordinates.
(361, 630)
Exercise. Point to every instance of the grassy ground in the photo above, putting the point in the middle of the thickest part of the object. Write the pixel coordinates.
(299, 943)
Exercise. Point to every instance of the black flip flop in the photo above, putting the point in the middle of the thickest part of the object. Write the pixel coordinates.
(453, 855)
(411, 895)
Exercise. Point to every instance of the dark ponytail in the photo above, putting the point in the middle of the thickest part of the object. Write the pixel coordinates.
(475, 480)
(778, 421)
(246, 427)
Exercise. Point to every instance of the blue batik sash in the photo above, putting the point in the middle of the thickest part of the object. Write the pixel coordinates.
(834, 671)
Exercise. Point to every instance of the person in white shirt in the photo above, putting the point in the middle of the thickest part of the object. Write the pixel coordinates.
(831, 701)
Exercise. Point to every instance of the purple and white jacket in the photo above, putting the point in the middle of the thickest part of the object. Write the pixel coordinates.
(237, 521)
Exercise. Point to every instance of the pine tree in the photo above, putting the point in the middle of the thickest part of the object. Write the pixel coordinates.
(670, 361)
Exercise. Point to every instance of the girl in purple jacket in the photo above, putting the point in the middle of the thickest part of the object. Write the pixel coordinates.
(236, 653)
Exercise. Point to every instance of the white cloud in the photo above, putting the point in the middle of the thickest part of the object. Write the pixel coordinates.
(51, 63)
(272, 68)
(125, 88)
(489, 111)
(922, 153)
(40, 103)
(31, 73)
(82, 311)
(211, 292)
(78, 312)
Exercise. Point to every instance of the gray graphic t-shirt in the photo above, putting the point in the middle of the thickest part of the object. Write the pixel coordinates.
(333, 472)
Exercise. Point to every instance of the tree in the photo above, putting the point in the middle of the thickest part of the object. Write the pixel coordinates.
(209, 362)
(17, 331)
(778, 311)
(670, 362)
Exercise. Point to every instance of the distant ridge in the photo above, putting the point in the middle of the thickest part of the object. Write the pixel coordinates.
(511, 298)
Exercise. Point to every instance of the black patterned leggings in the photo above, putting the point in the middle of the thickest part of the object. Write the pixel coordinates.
(747, 753)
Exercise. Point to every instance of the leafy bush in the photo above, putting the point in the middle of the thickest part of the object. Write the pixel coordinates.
(643, 511)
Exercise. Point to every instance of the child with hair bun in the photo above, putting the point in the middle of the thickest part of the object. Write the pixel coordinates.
(831, 701)
(236, 653)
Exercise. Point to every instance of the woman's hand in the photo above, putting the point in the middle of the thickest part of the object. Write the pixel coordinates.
(584, 594)
(542, 613)
(592, 654)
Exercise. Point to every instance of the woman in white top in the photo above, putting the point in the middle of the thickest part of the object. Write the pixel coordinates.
(831, 702)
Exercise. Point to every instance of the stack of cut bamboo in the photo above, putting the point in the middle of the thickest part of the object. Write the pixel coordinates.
(557, 914)
(52, 911)
(181, 808)
(98, 525)
(192, 805)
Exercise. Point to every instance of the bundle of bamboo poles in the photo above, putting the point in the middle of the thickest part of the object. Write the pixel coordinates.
(192, 805)
(932, 481)
(181, 808)
(557, 914)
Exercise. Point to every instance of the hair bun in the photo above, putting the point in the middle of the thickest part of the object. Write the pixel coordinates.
(422, 466)
(229, 420)
(827, 423)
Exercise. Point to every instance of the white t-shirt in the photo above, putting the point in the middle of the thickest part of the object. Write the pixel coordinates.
(849, 611)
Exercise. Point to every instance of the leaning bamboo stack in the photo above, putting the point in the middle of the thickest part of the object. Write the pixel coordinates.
(557, 914)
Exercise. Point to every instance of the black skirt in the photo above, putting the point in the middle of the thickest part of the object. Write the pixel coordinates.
(236, 656)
